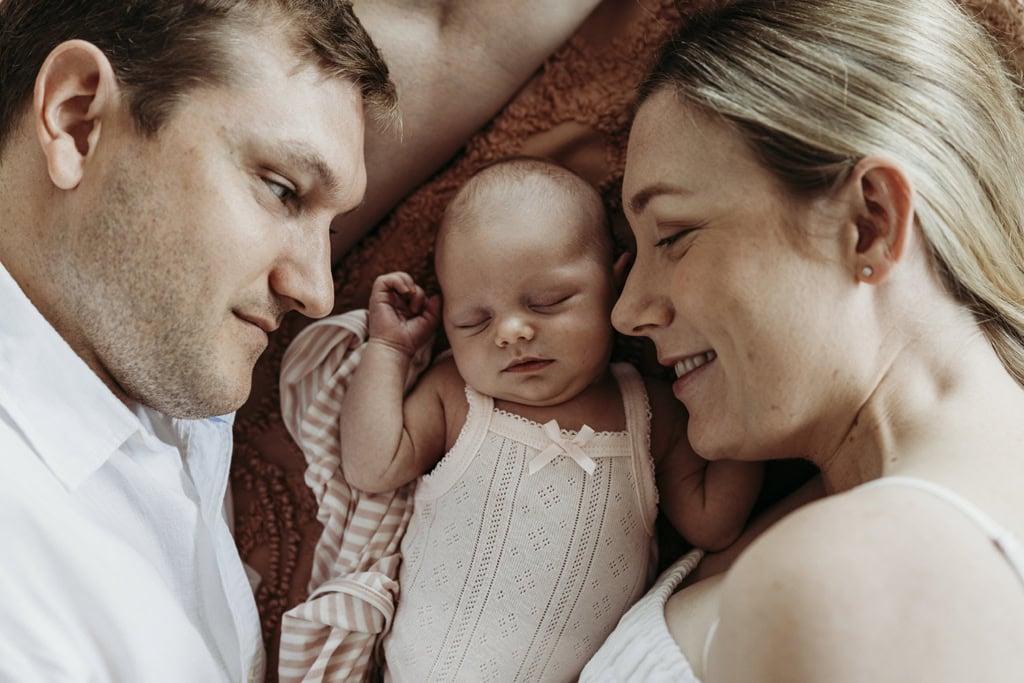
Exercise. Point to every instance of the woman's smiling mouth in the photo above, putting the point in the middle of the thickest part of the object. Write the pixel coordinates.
(688, 365)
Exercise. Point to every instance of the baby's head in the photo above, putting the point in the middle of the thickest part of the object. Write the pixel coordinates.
(524, 257)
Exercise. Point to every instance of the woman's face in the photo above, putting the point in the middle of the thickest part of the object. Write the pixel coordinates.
(740, 286)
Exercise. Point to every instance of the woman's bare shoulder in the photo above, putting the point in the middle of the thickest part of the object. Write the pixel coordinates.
(874, 584)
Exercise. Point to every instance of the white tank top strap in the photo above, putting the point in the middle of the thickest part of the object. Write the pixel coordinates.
(1004, 540)
(638, 424)
(455, 461)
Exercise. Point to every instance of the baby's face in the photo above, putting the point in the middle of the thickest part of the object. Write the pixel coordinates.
(526, 307)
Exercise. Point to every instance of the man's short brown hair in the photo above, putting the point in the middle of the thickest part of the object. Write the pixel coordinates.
(161, 49)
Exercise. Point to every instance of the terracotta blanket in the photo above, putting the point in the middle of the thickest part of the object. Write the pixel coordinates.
(576, 110)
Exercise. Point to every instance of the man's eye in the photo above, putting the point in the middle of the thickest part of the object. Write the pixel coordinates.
(285, 194)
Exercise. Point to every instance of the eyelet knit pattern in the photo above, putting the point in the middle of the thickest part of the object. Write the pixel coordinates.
(514, 576)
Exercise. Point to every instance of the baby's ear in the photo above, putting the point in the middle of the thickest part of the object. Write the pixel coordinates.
(76, 91)
(620, 269)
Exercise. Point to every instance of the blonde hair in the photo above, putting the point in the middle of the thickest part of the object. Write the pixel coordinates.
(816, 85)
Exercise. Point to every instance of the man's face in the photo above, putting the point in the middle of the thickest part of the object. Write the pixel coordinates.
(184, 250)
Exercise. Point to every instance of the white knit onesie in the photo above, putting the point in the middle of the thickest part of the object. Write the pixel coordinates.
(513, 576)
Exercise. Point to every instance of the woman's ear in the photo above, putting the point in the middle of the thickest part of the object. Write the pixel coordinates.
(75, 91)
(881, 197)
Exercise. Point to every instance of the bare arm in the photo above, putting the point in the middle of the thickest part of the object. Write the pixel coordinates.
(388, 440)
(455, 64)
(707, 502)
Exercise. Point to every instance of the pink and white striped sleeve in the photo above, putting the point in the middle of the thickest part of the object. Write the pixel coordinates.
(333, 635)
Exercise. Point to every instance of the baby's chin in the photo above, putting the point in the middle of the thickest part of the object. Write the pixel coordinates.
(531, 401)
(540, 394)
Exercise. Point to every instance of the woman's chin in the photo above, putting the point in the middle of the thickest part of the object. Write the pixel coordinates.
(709, 444)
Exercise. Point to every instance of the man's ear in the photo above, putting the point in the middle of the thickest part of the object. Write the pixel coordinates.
(620, 269)
(75, 91)
(881, 198)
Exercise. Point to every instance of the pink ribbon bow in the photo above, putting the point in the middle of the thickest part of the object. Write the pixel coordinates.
(571, 448)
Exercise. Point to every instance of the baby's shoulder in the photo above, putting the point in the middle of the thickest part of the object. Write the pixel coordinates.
(443, 371)
(443, 379)
(661, 399)
(668, 415)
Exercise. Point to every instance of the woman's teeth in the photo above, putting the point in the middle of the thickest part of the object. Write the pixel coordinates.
(690, 364)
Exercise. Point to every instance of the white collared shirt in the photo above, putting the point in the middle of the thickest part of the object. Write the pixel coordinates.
(116, 562)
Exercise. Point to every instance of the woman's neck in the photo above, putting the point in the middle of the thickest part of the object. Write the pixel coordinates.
(940, 395)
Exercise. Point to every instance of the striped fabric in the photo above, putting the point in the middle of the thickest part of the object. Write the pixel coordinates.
(333, 635)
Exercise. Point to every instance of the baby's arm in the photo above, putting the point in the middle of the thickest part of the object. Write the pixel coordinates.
(387, 439)
(708, 502)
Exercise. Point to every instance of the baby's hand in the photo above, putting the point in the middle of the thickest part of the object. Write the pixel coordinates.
(400, 313)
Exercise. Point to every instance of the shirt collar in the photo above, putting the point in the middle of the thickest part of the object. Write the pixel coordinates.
(68, 415)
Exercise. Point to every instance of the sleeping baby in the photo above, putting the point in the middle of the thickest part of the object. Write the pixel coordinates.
(537, 459)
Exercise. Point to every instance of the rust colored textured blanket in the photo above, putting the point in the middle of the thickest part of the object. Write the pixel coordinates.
(577, 110)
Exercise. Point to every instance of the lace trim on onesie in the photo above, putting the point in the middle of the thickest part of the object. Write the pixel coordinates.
(638, 422)
(453, 464)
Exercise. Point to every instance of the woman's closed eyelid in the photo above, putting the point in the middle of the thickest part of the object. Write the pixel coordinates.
(674, 237)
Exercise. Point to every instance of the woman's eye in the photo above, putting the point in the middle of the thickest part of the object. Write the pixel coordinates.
(669, 240)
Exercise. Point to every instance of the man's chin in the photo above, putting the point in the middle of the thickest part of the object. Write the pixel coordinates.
(213, 397)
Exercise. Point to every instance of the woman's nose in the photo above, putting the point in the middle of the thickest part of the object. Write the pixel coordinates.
(638, 310)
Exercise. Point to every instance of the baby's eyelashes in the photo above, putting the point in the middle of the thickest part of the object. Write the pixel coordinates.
(471, 325)
(547, 304)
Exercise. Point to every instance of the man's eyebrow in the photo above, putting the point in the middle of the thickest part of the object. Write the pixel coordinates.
(300, 155)
(642, 198)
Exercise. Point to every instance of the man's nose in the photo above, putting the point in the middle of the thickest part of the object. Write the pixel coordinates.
(303, 276)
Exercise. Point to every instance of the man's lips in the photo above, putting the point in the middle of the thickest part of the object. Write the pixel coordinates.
(266, 324)
(528, 364)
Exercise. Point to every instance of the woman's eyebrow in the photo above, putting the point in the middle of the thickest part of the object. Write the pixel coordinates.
(642, 198)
